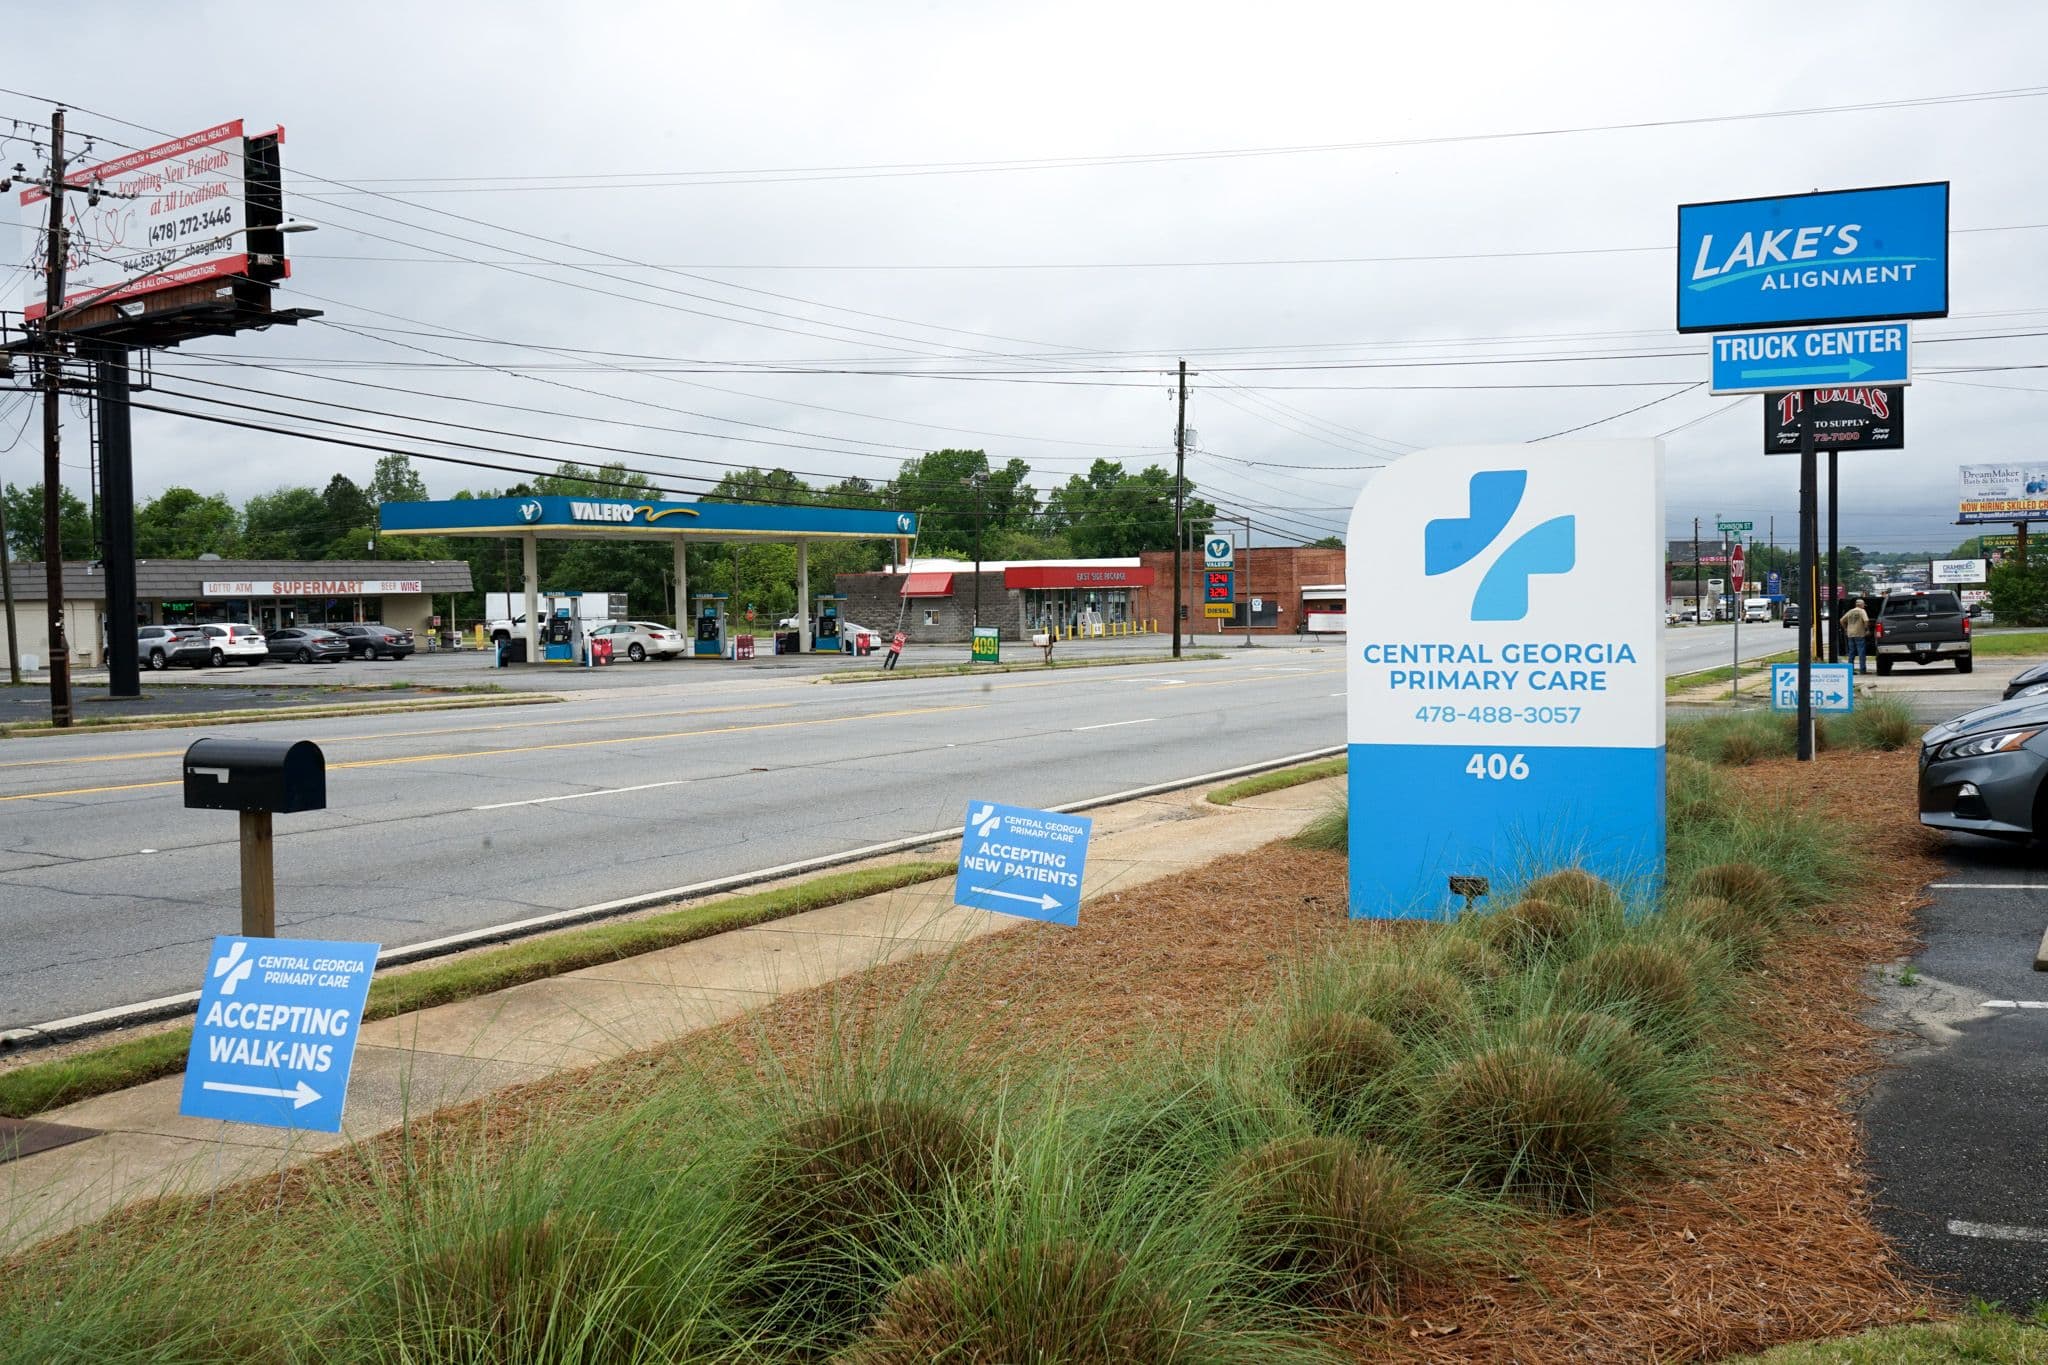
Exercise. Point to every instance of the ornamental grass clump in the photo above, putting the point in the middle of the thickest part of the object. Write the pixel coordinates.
(1611, 1046)
(1646, 983)
(1532, 928)
(1737, 933)
(523, 1290)
(1338, 1062)
(1414, 1000)
(1529, 1123)
(1170, 1138)
(1574, 886)
(1757, 892)
(1328, 1222)
(1470, 960)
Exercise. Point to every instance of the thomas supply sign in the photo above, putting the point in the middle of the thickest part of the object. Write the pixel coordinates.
(2003, 492)
(1510, 716)
(1757, 362)
(175, 214)
(276, 1031)
(1022, 862)
(1841, 256)
(1859, 417)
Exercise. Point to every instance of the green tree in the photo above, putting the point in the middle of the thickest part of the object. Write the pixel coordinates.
(951, 489)
(288, 523)
(1110, 511)
(348, 509)
(396, 481)
(1327, 543)
(179, 523)
(25, 522)
(2019, 593)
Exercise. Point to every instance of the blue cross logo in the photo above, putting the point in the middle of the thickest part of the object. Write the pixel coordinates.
(1449, 543)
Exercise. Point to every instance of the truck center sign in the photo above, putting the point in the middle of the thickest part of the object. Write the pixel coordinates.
(1497, 726)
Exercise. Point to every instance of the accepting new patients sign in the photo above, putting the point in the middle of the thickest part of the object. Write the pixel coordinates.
(1509, 716)
(1839, 256)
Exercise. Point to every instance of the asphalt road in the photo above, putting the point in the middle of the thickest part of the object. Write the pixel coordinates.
(442, 822)
(1955, 1129)
(1689, 649)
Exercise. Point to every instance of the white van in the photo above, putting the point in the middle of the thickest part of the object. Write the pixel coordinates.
(1756, 609)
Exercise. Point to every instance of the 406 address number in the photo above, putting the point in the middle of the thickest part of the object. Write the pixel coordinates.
(1500, 715)
(1498, 767)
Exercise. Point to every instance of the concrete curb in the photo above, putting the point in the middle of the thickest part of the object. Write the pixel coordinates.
(172, 1006)
(2041, 955)
(916, 671)
(338, 712)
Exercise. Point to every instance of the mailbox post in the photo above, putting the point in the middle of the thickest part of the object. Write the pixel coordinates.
(256, 779)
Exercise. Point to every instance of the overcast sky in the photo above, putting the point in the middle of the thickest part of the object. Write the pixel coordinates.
(415, 101)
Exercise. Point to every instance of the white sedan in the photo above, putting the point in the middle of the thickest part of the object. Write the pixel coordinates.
(641, 640)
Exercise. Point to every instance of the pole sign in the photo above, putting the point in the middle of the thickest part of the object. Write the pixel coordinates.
(1758, 362)
(276, 1031)
(1860, 417)
(1017, 861)
(1496, 728)
(1771, 584)
(1832, 687)
(1834, 257)
(1218, 553)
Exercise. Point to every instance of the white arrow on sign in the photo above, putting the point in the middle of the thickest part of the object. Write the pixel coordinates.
(1041, 900)
(300, 1097)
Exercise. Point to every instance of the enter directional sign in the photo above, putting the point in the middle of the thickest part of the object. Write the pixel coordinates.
(1866, 353)
(1017, 861)
(1833, 687)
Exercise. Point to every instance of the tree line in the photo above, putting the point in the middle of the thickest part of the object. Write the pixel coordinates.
(964, 502)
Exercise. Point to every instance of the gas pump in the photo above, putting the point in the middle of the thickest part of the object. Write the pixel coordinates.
(710, 641)
(827, 640)
(562, 636)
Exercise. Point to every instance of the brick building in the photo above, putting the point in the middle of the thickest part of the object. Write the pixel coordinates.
(1290, 583)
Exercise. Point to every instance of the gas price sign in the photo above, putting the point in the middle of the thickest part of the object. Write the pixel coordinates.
(1496, 725)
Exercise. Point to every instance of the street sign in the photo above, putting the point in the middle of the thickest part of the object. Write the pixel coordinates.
(1724, 527)
(1218, 611)
(1218, 553)
(1865, 353)
(1735, 564)
(988, 645)
(276, 1031)
(1837, 256)
(1855, 417)
(1017, 861)
(1495, 728)
(1833, 688)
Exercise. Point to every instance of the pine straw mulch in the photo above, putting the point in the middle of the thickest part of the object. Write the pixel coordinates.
(1762, 1237)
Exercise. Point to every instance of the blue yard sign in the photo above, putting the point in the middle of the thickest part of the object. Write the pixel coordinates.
(1840, 256)
(1833, 687)
(276, 1032)
(1017, 861)
(1868, 353)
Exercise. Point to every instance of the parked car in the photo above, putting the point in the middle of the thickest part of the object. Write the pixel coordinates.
(640, 640)
(235, 643)
(2026, 678)
(1986, 772)
(373, 641)
(1922, 628)
(307, 644)
(1791, 617)
(158, 647)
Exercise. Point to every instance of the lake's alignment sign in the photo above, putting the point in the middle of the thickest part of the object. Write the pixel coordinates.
(276, 1031)
(1506, 696)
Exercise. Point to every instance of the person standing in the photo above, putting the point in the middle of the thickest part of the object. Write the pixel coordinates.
(1856, 631)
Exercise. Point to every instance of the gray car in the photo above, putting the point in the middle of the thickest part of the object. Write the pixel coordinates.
(1986, 772)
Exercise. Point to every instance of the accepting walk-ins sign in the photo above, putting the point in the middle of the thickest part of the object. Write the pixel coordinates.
(1509, 715)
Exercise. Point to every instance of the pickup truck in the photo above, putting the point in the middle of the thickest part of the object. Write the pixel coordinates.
(1920, 628)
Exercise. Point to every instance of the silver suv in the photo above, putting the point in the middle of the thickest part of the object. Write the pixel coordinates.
(158, 647)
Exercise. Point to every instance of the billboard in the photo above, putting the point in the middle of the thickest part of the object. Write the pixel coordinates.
(1948, 571)
(1862, 417)
(169, 215)
(2003, 492)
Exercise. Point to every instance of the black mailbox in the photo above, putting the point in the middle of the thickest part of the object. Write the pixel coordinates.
(255, 775)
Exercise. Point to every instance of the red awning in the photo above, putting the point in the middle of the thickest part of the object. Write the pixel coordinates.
(928, 585)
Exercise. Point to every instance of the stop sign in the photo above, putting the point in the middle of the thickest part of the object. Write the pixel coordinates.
(1735, 568)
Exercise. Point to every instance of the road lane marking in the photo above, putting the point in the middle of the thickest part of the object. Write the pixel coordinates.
(2016, 1004)
(578, 796)
(1998, 1232)
(533, 748)
(1987, 886)
(1112, 724)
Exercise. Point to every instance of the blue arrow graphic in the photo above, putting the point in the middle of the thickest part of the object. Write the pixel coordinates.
(1848, 369)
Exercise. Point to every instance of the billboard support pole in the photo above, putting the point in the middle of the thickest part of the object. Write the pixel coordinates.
(2019, 543)
(117, 499)
(1834, 526)
(1807, 572)
(1180, 463)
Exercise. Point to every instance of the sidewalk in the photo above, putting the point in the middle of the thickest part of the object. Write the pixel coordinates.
(411, 1065)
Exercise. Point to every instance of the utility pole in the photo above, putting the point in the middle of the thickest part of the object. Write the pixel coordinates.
(53, 472)
(1699, 578)
(1246, 518)
(979, 485)
(7, 591)
(1180, 484)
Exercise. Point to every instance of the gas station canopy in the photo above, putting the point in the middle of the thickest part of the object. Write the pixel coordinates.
(553, 517)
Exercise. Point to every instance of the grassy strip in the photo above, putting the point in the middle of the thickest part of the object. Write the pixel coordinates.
(115, 724)
(1742, 738)
(1983, 1335)
(1996, 644)
(962, 670)
(36, 1089)
(1685, 682)
(1258, 784)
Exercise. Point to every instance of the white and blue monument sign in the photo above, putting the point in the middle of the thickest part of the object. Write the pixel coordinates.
(1506, 702)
